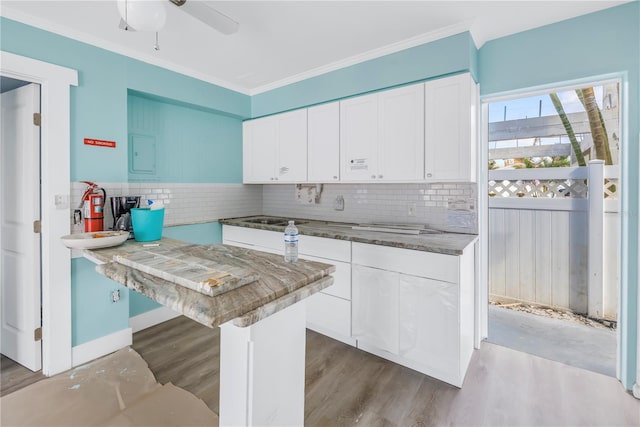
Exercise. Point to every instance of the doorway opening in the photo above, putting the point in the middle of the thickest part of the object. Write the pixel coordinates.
(554, 221)
(20, 213)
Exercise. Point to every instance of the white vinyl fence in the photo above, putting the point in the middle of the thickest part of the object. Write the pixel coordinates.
(551, 242)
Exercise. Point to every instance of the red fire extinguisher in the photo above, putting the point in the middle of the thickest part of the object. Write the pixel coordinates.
(92, 202)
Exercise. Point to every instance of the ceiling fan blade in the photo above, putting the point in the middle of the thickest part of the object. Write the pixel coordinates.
(207, 14)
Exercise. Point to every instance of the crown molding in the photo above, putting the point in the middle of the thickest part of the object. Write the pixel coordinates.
(369, 55)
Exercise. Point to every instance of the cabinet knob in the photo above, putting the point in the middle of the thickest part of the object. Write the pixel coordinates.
(335, 177)
(276, 178)
(429, 175)
(373, 177)
(379, 176)
(271, 178)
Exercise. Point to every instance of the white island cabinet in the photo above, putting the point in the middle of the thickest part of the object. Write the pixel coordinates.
(328, 311)
(415, 308)
(275, 148)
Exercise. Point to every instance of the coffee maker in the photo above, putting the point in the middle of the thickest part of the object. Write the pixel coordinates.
(121, 209)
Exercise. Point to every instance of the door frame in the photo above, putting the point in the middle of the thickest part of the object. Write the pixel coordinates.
(623, 352)
(55, 101)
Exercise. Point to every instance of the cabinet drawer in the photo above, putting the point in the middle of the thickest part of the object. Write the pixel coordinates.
(252, 236)
(329, 313)
(339, 250)
(341, 278)
(416, 263)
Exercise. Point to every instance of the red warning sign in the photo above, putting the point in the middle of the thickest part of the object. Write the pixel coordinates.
(99, 143)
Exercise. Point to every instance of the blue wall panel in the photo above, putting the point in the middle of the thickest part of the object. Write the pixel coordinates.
(93, 314)
(191, 145)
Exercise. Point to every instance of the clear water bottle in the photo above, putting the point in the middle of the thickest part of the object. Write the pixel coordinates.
(291, 243)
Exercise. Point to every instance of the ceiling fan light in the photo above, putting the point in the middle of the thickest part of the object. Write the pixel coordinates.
(143, 15)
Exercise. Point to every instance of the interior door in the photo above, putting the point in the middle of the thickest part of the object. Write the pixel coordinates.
(20, 245)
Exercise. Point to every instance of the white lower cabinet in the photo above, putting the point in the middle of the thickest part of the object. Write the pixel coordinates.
(420, 321)
(328, 311)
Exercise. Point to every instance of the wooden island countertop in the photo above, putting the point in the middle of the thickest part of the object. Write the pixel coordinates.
(279, 284)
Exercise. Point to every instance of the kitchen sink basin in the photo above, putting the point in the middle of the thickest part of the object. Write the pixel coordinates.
(271, 221)
(266, 221)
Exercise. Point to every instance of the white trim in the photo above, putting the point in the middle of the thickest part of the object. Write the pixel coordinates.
(366, 56)
(55, 101)
(538, 173)
(539, 203)
(152, 318)
(102, 346)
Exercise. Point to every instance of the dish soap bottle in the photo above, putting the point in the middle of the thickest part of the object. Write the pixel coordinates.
(291, 242)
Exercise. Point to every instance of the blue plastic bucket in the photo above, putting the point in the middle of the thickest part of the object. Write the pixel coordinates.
(147, 224)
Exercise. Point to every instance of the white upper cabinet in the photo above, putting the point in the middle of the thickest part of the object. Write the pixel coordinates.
(450, 129)
(401, 134)
(323, 143)
(382, 136)
(359, 138)
(275, 148)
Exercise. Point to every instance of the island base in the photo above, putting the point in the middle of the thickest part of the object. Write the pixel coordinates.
(262, 370)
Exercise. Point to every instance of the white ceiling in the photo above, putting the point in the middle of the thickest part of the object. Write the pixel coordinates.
(280, 42)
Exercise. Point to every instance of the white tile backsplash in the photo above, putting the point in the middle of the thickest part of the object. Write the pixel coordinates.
(387, 203)
(183, 203)
(363, 203)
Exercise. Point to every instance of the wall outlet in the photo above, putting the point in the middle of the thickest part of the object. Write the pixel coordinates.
(115, 295)
(411, 209)
(338, 203)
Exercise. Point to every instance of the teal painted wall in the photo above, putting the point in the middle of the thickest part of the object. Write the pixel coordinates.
(99, 102)
(191, 145)
(93, 314)
(453, 54)
(201, 234)
(575, 50)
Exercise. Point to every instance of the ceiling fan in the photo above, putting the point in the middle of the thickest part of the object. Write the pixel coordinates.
(151, 15)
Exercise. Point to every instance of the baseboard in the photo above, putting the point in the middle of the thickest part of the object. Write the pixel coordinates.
(91, 350)
(151, 318)
(636, 390)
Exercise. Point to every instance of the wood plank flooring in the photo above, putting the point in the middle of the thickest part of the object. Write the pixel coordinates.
(347, 387)
(14, 376)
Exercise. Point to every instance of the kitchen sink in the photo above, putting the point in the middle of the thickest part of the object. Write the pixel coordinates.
(266, 221)
(271, 221)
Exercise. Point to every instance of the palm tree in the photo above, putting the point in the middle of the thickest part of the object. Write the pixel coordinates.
(596, 123)
(567, 126)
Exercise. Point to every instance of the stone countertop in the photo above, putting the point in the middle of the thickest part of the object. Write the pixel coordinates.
(279, 285)
(438, 242)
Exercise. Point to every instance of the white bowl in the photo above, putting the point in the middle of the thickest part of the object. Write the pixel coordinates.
(95, 240)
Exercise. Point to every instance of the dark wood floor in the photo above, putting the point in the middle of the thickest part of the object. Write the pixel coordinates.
(345, 386)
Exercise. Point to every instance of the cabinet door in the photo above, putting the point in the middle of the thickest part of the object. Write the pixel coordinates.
(401, 134)
(429, 326)
(449, 136)
(359, 138)
(259, 150)
(323, 143)
(375, 307)
(292, 146)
